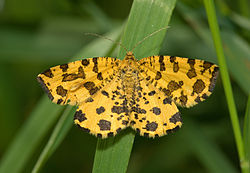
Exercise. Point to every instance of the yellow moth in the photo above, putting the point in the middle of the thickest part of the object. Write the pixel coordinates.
(113, 94)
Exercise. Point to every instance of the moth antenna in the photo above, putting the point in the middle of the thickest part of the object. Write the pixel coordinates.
(150, 35)
(104, 37)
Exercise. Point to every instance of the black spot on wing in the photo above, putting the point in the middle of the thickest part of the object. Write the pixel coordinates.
(48, 73)
(93, 91)
(118, 109)
(151, 93)
(191, 62)
(197, 99)
(167, 100)
(74, 76)
(85, 62)
(138, 110)
(191, 72)
(64, 67)
(139, 88)
(175, 67)
(100, 110)
(181, 83)
(183, 99)
(89, 99)
(90, 86)
(136, 116)
(59, 101)
(156, 110)
(104, 125)
(95, 68)
(61, 91)
(206, 66)
(204, 96)
(80, 116)
(172, 86)
(198, 86)
(105, 93)
(158, 75)
(162, 64)
(172, 59)
(99, 76)
(176, 118)
(151, 126)
(132, 123)
(124, 122)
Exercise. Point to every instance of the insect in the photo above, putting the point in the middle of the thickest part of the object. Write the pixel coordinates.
(113, 94)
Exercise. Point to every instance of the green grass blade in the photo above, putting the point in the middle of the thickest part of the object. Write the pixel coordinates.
(209, 5)
(30, 136)
(146, 16)
(112, 154)
(62, 127)
(247, 135)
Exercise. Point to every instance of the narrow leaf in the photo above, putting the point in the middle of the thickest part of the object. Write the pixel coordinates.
(30, 136)
(246, 163)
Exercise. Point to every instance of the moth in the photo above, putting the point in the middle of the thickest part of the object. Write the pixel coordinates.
(113, 94)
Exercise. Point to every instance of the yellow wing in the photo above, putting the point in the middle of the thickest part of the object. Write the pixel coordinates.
(106, 113)
(154, 114)
(186, 81)
(74, 82)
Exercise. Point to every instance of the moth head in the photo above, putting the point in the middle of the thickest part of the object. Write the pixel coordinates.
(129, 56)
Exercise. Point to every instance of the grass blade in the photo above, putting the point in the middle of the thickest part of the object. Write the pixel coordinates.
(146, 16)
(247, 136)
(209, 5)
(62, 127)
(112, 154)
(30, 136)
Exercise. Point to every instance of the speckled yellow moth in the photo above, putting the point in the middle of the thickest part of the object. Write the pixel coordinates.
(113, 94)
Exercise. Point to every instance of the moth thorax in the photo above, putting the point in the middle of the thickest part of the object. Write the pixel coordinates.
(129, 81)
(129, 87)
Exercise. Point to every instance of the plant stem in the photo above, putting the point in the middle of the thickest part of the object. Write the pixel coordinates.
(246, 136)
(210, 9)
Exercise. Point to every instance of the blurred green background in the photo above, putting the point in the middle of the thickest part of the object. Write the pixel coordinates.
(38, 34)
